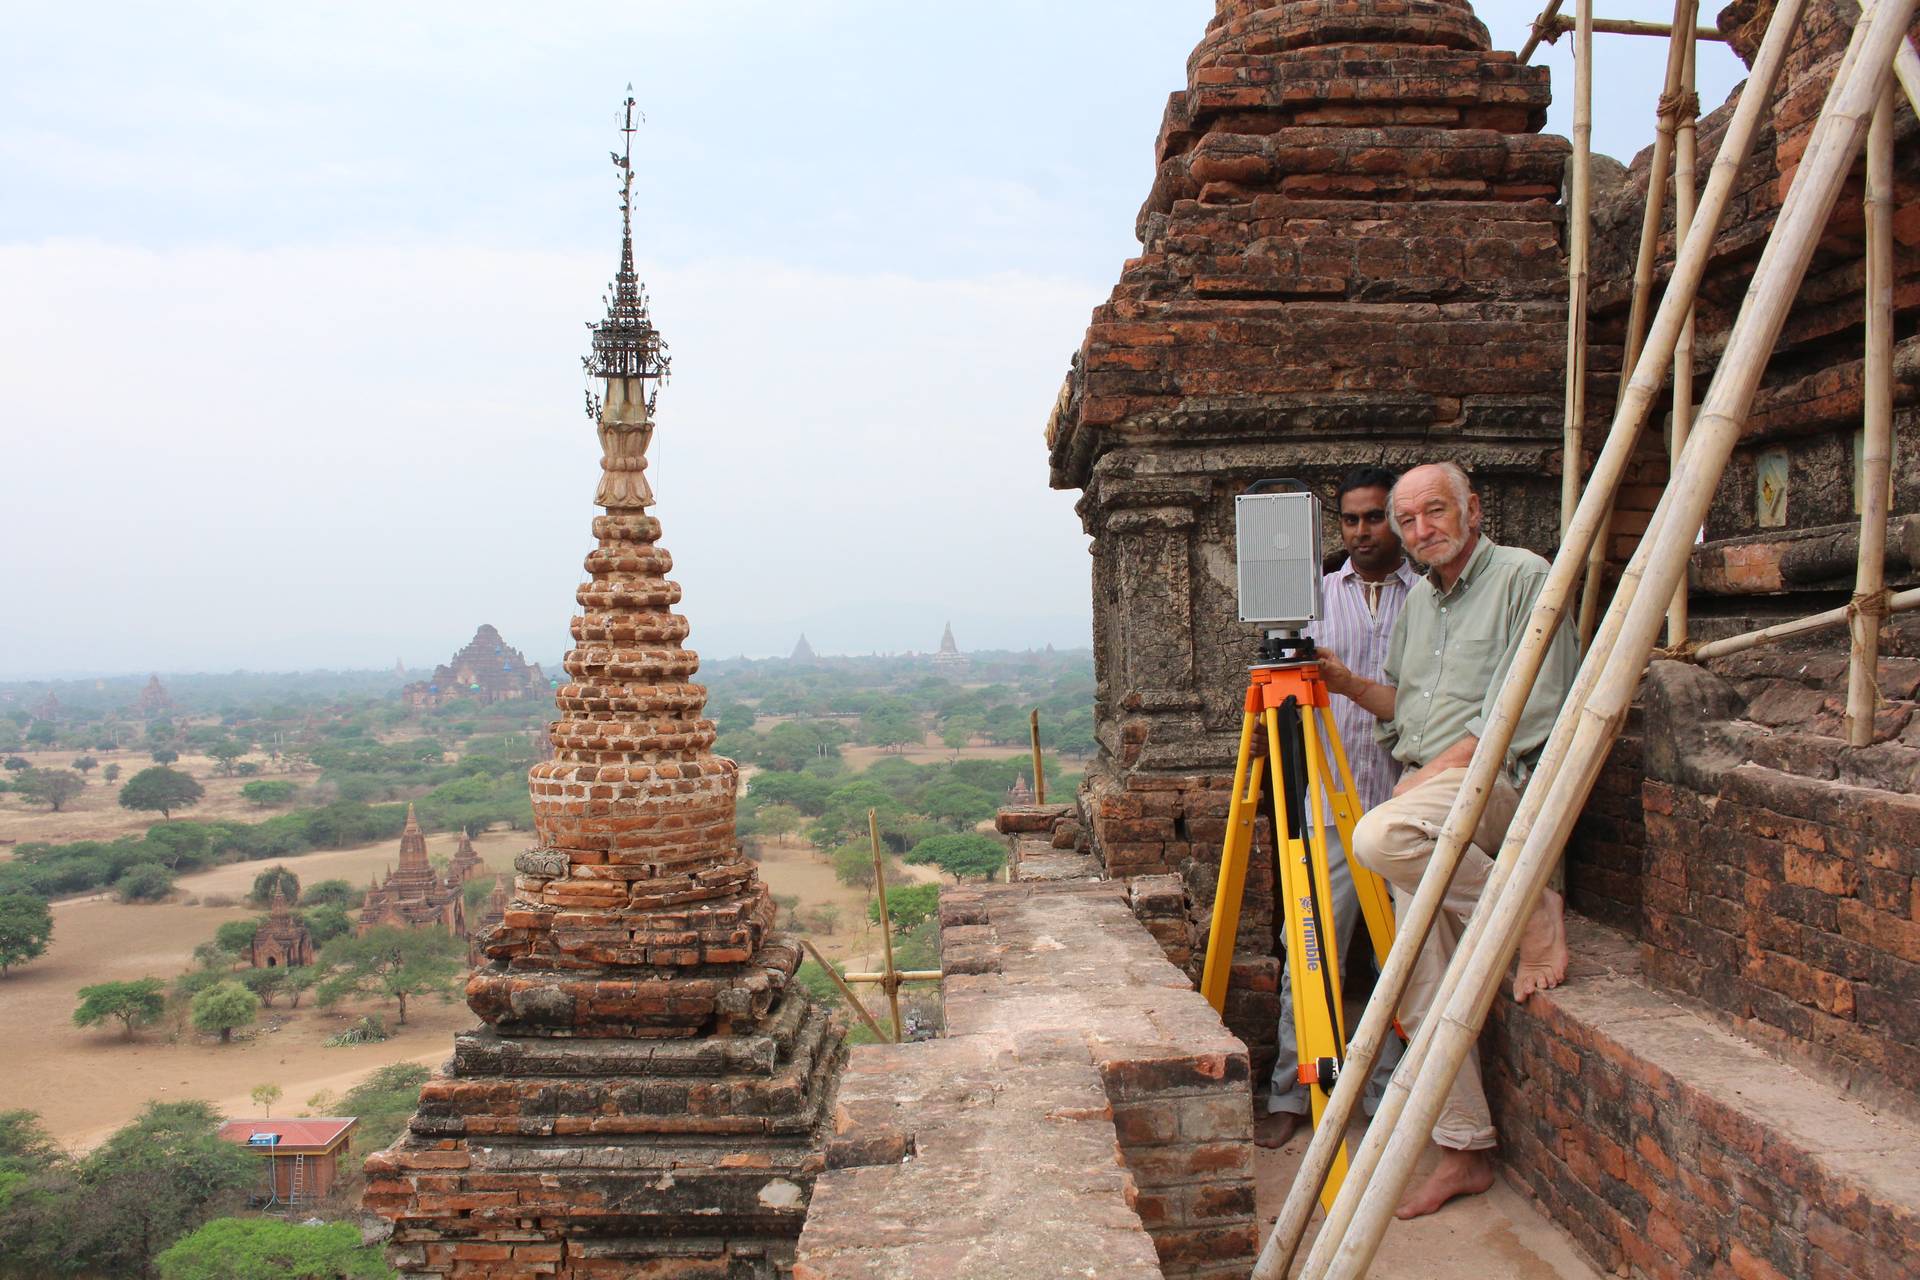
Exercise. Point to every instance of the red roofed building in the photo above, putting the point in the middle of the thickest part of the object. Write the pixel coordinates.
(304, 1153)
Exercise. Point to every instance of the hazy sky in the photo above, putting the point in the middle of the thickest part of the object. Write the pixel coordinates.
(292, 301)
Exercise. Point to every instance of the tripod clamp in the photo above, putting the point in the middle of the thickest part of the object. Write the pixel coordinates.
(1286, 647)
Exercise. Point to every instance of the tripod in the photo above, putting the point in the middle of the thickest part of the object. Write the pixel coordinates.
(1287, 698)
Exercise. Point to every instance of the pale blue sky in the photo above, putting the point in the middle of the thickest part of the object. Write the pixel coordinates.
(291, 304)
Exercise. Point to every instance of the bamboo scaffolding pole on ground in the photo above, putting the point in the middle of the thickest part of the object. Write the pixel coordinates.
(1541, 26)
(1876, 437)
(1039, 768)
(1588, 728)
(1685, 159)
(1563, 578)
(1562, 581)
(1579, 239)
(1658, 172)
(890, 977)
(1897, 602)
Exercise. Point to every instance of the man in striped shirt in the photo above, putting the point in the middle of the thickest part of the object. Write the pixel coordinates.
(1362, 603)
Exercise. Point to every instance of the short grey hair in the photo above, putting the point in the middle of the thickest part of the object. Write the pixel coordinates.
(1458, 482)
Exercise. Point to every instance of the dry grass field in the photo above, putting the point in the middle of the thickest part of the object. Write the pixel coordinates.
(95, 814)
(87, 1082)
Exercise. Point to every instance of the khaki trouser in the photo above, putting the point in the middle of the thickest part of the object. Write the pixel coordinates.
(1396, 840)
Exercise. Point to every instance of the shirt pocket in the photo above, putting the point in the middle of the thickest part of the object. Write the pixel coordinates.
(1466, 669)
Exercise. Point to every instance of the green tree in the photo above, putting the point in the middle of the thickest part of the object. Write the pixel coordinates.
(236, 936)
(338, 893)
(52, 787)
(136, 1004)
(225, 752)
(963, 854)
(907, 905)
(300, 980)
(265, 983)
(264, 1096)
(326, 922)
(223, 1007)
(853, 866)
(164, 756)
(18, 764)
(153, 1181)
(263, 884)
(111, 773)
(268, 1249)
(144, 882)
(86, 764)
(181, 844)
(268, 794)
(778, 820)
(41, 735)
(384, 1101)
(393, 962)
(160, 788)
(26, 926)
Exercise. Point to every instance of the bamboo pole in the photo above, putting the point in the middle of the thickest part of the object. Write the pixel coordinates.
(1624, 27)
(890, 977)
(1039, 769)
(1541, 26)
(1685, 158)
(1897, 602)
(1589, 727)
(845, 990)
(1562, 580)
(1657, 174)
(1906, 69)
(900, 975)
(1579, 238)
(1876, 440)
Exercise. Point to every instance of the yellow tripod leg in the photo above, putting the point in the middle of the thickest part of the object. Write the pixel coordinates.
(1231, 887)
(1376, 904)
(1313, 963)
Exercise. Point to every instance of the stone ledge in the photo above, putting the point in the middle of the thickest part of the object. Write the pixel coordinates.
(1087, 1114)
(1668, 1145)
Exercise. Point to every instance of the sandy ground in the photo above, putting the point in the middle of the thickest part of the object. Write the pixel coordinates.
(95, 814)
(1496, 1236)
(87, 1082)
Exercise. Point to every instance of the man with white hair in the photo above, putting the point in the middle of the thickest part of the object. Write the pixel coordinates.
(1456, 637)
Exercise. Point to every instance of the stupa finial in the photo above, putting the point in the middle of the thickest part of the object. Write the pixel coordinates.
(625, 344)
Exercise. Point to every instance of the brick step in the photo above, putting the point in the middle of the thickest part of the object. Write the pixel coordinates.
(1669, 1146)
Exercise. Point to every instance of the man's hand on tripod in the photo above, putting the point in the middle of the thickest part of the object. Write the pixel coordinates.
(1375, 698)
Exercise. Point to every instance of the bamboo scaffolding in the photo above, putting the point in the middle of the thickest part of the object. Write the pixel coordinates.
(1897, 602)
(1623, 27)
(1586, 729)
(1876, 439)
(890, 977)
(1579, 240)
(845, 990)
(1665, 122)
(1685, 159)
(1541, 25)
(1418, 916)
(1039, 769)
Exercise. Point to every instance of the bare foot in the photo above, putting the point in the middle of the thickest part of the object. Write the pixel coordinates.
(1543, 947)
(1459, 1173)
(1276, 1129)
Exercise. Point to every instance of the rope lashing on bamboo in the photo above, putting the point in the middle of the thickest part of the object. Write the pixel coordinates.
(1679, 106)
(1872, 604)
(1682, 652)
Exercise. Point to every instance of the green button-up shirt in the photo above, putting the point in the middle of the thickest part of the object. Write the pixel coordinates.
(1450, 653)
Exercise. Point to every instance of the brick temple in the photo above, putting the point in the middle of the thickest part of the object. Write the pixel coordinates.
(649, 1094)
(283, 939)
(414, 895)
(485, 669)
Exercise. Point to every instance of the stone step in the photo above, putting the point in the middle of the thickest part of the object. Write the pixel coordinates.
(1670, 1146)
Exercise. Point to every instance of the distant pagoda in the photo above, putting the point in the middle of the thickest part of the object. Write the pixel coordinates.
(949, 658)
(649, 1095)
(413, 896)
(486, 670)
(154, 700)
(465, 864)
(283, 939)
(802, 652)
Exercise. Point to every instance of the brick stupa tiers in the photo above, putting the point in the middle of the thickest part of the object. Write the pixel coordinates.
(1350, 254)
(649, 1092)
